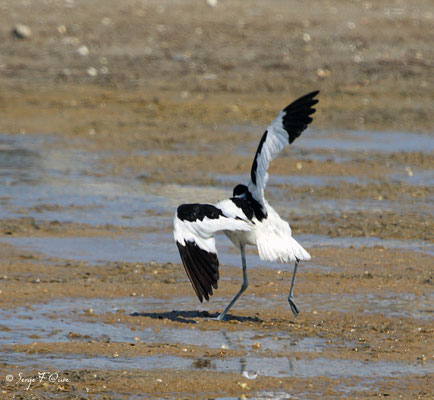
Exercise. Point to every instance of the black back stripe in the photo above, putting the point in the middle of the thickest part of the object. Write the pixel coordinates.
(244, 206)
(197, 212)
(255, 161)
(259, 212)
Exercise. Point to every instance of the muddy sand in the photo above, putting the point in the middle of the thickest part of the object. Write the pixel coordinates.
(113, 113)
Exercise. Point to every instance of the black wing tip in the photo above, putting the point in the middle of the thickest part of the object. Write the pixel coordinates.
(310, 95)
(297, 115)
(201, 267)
(306, 100)
(313, 93)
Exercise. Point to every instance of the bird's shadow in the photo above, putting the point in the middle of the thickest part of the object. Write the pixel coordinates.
(189, 317)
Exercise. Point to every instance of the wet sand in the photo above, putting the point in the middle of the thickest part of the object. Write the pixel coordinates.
(92, 167)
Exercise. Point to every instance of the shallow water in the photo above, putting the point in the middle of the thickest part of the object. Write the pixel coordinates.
(159, 247)
(367, 141)
(340, 144)
(54, 321)
(263, 366)
(389, 304)
(293, 180)
(358, 242)
(308, 207)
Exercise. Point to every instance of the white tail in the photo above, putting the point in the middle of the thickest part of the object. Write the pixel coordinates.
(283, 249)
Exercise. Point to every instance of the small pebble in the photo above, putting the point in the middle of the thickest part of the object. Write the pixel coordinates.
(92, 71)
(323, 73)
(22, 31)
(61, 29)
(83, 51)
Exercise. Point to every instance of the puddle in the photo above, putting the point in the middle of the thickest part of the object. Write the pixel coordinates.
(399, 305)
(96, 250)
(293, 180)
(161, 248)
(367, 141)
(18, 164)
(341, 145)
(157, 247)
(307, 207)
(34, 173)
(419, 178)
(52, 322)
(46, 182)
(358, 242)
(265, 366)
(392, 305)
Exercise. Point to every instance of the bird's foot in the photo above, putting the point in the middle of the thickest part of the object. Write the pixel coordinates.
(221, 317)
(294, 308)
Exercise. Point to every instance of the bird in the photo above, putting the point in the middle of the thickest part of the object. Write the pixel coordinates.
(246, 218)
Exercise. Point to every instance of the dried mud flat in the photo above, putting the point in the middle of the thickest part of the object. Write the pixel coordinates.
(97, 148)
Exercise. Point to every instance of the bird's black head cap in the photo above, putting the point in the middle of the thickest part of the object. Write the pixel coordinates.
(240, 190)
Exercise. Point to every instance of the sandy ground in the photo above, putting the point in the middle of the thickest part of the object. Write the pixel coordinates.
(165, 93)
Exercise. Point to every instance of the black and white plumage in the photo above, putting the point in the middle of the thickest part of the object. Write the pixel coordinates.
(246, 218)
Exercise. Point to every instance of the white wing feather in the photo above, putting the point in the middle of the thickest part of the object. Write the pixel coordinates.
(284, 129)
(277, 139)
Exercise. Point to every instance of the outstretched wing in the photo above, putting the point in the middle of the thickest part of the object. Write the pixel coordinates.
(285, 128)
(194, 229)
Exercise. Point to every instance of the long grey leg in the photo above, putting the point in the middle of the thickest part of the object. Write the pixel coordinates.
(222, 316)
(291, 291)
